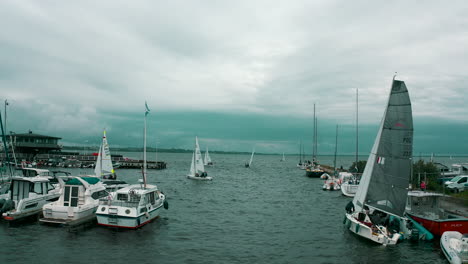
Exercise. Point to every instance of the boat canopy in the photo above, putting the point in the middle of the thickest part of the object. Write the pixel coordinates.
(90, 180)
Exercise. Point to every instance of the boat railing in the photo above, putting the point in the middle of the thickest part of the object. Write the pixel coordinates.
(119, 203)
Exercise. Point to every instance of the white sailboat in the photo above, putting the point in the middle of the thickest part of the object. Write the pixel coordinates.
(283, 158)
(104, 168)
(383, 189)
(247, 165)
(135, 205)
(208, 161)
(197, 169)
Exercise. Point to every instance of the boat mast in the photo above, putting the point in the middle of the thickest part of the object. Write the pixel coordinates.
(357, 129)
(336, 149)
(7, 158)
(314, 138)
(144, 148)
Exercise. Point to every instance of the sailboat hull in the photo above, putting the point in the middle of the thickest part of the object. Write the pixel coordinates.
(363, 230)
(199, 178)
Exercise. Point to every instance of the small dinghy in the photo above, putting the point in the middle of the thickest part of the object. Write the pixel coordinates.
(455, 246)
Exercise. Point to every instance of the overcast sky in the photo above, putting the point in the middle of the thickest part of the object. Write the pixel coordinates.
(235, 73)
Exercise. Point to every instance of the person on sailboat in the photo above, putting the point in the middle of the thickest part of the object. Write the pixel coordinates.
(350, 207)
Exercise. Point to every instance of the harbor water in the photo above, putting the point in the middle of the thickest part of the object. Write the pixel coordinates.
(268, 213)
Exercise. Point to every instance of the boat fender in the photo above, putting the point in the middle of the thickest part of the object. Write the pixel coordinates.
(166, 205)
(147, 215)
(357, 228)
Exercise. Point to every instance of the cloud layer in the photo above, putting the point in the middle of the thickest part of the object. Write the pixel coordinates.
(82, 66)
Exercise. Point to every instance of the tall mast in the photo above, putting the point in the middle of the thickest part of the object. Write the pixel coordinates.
(336, 149)
(7, 158)
(144, 147)
(357, 129)
(314, 139)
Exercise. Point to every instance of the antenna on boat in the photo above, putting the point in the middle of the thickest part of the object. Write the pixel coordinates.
(395, 75)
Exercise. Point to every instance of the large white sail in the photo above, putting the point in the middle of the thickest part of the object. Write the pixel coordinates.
(197, 161)
(384, 183)
(104, 160)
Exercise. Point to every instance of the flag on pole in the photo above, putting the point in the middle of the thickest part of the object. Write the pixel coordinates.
(147, 110)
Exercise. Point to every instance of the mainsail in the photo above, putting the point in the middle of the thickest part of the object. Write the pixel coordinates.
(207, 157)
(251, 157)
(104, 160)
(385, 181)
(197, 162)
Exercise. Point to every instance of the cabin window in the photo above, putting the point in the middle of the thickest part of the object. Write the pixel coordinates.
(50, 187)
(20, 190)
(151, 198)
(122, 197)
(31, 206)
(37, 188)
(135, 198)
(462, 180)
(71, 196)
(99, 194)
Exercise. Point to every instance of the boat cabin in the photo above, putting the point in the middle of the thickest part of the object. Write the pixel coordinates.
(74, 191)
(22, 188)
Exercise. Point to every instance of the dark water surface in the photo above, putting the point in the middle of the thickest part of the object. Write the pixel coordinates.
(269, 213)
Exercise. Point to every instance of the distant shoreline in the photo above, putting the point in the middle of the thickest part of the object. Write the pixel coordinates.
(174, 150)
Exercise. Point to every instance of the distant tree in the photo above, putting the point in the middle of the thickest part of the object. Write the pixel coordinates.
(361, 164)
(425, 171)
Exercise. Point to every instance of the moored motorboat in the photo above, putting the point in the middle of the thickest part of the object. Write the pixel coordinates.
(134, 205)
(131, 207)
(331, 183)
(78, 202)
(426, 209)
(26, 197)
(454, 245)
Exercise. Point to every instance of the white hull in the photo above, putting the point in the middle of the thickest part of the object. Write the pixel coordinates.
(331, 187)
(122, 221)
(56, 214)
(123, 213)
(207, 178)
(453, 247)
(365, 231)
(349, 189)
(30, 206)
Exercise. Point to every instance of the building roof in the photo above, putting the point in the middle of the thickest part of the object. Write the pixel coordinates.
(32, 135)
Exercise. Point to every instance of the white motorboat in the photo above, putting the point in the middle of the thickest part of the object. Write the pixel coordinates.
(132, 206)
(78, 201)
(383, 189)
(455, 246)
(331, 182)
(197, 169)
(26, 196)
